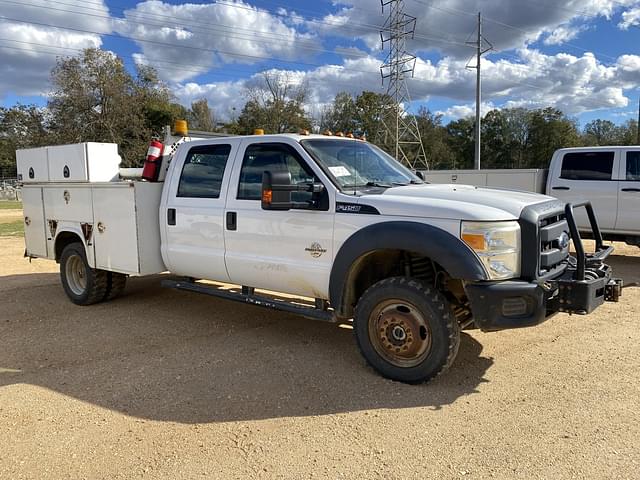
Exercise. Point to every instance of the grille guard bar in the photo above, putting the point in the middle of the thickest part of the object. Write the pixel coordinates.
(601, 251)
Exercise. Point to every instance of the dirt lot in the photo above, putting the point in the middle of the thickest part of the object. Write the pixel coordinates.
(164, 384)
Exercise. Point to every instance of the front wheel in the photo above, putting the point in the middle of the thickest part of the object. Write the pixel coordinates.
(82, 284)
(406, 330)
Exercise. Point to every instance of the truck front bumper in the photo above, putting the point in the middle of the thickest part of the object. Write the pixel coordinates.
(517, 304)
(584, 283)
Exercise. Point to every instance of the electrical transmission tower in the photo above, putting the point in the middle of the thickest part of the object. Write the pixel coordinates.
(398, 66)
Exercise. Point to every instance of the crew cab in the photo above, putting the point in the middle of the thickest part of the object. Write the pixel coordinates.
(608, 177)
(331, 228)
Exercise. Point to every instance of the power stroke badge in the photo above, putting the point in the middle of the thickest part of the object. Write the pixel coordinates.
(315, 250)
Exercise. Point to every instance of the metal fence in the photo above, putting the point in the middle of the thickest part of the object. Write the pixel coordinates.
(10, 189)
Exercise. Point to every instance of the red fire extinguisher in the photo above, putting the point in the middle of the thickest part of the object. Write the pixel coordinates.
(152, 164)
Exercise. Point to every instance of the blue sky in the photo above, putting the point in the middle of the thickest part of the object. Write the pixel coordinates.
(577, 55)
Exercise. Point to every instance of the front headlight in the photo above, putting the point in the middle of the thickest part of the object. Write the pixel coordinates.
(497, 244)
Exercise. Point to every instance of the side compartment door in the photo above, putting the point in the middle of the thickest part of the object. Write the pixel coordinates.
(629, 196)
(34, 231)
(194, 211)
(285, 251)
(588, 175)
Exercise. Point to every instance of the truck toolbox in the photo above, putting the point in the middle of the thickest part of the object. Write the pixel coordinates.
(32, 165)
(80, 162)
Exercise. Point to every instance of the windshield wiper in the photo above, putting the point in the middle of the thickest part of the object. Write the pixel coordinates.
(368, 184)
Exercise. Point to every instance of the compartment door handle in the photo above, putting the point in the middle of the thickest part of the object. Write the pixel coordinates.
(560, 188)
(630, 190)
(171, 216)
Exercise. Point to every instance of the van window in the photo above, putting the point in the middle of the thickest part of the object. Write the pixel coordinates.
(587, 166)
(633, 166)
(203, 170)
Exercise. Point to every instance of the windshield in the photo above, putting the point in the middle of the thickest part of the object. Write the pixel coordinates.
(358, 164)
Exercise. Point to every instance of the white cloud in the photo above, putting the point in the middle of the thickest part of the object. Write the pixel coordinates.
(30, 50)
(630, 18)
(464, 111)
(204, 36)
(445, 25)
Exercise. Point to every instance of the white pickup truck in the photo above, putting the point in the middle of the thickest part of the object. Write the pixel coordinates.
(327, 227)
(609, 177)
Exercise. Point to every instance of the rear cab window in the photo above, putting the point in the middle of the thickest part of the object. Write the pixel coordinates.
(633, 166)
(595, 165)
(203, 170)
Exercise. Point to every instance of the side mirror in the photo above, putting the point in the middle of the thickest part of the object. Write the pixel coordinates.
(276, 191)
(420, 175)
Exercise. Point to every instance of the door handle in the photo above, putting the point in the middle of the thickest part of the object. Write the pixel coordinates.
(630, 190)
(232, 221)
(560, 188)
(171, 216)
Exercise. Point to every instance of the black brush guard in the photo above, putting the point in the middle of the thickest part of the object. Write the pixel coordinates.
(587, 282)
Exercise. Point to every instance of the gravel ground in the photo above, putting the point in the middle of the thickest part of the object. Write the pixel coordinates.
(165, 384)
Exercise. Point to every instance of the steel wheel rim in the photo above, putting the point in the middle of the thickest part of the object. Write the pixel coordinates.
(399, 333)
(76, 274)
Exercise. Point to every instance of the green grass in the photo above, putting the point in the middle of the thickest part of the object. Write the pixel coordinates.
(8, 205)
(12, 229)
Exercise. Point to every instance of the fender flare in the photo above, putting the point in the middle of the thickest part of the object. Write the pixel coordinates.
(433, 242)
(71, 228)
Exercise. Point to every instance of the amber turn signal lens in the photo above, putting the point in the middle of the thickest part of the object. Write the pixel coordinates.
(267, 196)
(474, 240)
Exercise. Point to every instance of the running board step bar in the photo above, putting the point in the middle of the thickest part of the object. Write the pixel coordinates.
(248, 296)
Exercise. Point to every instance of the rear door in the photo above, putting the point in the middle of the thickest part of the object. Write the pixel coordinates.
(285, 251)
(629, 196)
(588, 175)
(194, 211)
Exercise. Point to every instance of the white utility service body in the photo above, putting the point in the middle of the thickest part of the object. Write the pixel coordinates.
(608, 177)
(331, 219)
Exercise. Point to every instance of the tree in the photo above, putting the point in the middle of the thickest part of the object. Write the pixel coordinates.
(201, 116)
(341, 115)
(21, 126)
(602, 132)
(276, 104)
(434, 139)
(549, 130)
(96, 99)
(460, 135)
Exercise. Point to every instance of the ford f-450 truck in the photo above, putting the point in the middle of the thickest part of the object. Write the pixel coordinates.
(331, 228)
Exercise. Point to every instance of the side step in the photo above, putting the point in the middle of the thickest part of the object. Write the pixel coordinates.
(248, 296)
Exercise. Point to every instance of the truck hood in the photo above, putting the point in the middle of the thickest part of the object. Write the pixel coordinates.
(464, 202)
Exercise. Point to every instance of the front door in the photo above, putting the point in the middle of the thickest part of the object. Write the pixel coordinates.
(194, 213)
(588, 175)
(629, 196)
(285, 251)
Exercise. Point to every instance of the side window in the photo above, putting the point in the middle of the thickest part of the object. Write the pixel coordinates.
(587, 166)
(633, 166)
(273, 157)
(203, 170)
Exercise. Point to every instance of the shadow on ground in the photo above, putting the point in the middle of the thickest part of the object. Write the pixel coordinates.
(168, 355)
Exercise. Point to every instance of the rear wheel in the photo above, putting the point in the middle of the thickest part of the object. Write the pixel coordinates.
(82, 284)
(406, 330)
(115, 285)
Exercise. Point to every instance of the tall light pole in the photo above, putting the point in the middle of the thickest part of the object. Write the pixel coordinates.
(480, 50)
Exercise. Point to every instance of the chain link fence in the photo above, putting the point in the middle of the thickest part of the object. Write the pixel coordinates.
(10, 189)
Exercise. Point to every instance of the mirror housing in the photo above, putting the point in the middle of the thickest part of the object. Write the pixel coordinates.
(276, 191)
(277, 188)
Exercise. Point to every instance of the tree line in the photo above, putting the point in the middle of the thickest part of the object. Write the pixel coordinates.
(94, 98)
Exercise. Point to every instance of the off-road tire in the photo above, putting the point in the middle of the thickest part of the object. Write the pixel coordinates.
(90, 286)
(115, 285)
(436, 313)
